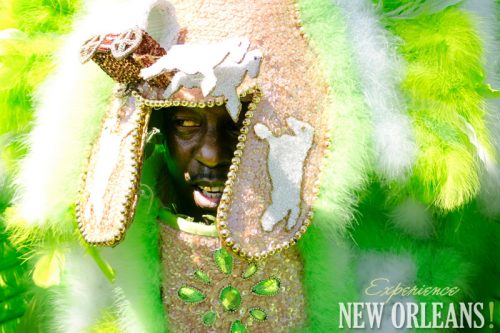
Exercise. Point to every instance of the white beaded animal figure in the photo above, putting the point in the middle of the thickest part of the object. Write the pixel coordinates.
(198, 58)
(229, 75)
(285, 162)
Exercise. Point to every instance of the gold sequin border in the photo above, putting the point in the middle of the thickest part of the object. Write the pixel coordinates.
(128, 206)
(224, 232)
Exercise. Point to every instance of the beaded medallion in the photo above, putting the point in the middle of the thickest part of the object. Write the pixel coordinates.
(206, 289)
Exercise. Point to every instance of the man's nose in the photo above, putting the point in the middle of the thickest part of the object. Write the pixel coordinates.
(213, 151)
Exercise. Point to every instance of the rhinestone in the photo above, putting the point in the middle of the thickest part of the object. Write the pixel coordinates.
(258, 314)
(223, 260)
(202, 276)
(209, 318)
(230, 298)
(250, 271)
(190, 294)
(268, 287)
(238, 327)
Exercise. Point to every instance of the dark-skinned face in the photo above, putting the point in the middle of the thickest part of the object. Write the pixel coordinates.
(201, 142)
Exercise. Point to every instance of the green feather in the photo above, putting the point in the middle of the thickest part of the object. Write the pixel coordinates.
(13, 284)
(443, 55)
(459, 253)
(25, 60)
(328, 276)
(38, 16)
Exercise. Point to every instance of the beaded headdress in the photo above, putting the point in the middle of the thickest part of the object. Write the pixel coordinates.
(283, 137)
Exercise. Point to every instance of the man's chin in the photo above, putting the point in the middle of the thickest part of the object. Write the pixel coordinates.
(206, 200)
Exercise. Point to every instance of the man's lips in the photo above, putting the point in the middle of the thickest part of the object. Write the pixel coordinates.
(207, 195)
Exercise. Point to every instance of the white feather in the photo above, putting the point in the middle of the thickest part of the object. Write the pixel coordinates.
(3, 174)
(385, 270)
(380, 71)
(134, 295)
(83, 295)
(413, 218)
(137, 285)
(68, 110)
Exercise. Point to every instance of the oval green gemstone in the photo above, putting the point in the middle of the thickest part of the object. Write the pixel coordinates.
(268, 287)
(209, 318)
(230, 298)
(190, 294)
(238, 327)
(202, 276)
(258, 314)
(250, 271)
(223, 260)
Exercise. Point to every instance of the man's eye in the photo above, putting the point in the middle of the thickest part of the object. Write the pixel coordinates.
(187, 123)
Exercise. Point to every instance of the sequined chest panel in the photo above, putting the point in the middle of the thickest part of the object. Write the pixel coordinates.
(205, 289)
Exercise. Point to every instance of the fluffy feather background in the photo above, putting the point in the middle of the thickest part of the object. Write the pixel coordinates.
(381, 72)
(327, 258)
(70, 105)
(86, 300)
(374, 265)
(350, 154)
(457, 253)
(443, 54)
(27, 30)
(486, 15)
(412, 241)
(85, 296)
(26, 49)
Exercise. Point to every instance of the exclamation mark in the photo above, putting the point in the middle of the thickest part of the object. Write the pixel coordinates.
(492, 309)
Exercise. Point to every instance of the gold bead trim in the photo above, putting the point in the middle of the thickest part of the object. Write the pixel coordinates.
(222, 211)
(224, 232)
(128, 210)
(166, 103)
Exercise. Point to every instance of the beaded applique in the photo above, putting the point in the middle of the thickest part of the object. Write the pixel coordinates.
(229, 296)
(206, 289)
(285, 170)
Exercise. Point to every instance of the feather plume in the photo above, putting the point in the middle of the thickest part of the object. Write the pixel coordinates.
(69, 105)
(344, 171)
(443, 56)
(381, 71)
(486, 14)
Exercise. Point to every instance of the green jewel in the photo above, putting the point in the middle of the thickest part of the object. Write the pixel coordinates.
(269, 287)
(258, 314)
(230, 298)
(223, 260)
(209, 318)
(202, 276)
(238, 327)
(250, 271)
(190, 294)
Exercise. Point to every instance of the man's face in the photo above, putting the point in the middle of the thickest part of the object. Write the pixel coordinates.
(201, 142)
